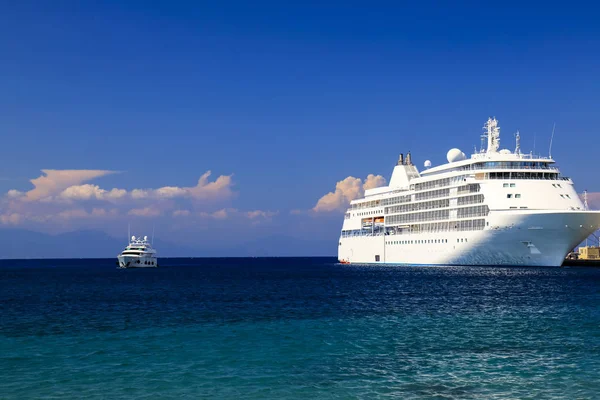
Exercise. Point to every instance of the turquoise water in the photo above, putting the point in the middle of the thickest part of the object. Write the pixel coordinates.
(297, 328)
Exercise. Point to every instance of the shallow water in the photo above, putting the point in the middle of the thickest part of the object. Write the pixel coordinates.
(296, 328)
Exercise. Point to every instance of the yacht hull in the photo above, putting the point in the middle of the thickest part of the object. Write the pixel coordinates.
(137, 262)
(533, 238)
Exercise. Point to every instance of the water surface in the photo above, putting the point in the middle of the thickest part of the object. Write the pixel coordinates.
(296, 328)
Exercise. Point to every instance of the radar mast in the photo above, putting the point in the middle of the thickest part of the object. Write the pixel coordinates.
(493, 135)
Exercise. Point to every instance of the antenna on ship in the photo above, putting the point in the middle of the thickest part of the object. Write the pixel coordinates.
(152, 243)
(518, 141)
(585, 202)
(551, 137)
(483, 136)
(493, 135)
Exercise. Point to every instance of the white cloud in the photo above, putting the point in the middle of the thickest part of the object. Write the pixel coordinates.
(61, 198)
(91, 192)
(55, 181)
(226, 213)
(374, 181)
(181, 213)
(11, 219)
(144, 212)
(68, 185)
(260, 214)
(347, 190)
(14, 194)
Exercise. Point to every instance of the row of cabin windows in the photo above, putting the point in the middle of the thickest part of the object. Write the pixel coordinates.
(474, 211)
(518, 196)
(464, 225)
(521, 175)
(433, 204)
(429, 241)
(360, 214)
(145, 262)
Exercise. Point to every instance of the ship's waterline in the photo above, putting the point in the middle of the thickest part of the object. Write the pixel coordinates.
(496, 208)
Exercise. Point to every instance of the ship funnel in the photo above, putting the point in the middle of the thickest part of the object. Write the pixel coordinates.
(408, 160)
(401, 159)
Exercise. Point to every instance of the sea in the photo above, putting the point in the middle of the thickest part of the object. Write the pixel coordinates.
(296, 328)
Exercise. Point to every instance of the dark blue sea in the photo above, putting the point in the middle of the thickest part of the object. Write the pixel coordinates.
(296, 328)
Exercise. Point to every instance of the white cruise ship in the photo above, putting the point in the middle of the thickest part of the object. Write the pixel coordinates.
(138, 254)
(496, 208)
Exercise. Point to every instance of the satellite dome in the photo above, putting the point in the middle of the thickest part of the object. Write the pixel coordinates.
(427, 164)
(133, 238)
(455, 155)
(504, 151)
(145, 237)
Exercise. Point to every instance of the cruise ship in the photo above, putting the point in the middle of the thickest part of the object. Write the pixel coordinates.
(498, 207)
(138, 254)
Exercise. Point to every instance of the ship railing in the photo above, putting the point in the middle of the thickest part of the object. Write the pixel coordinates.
(473, 167)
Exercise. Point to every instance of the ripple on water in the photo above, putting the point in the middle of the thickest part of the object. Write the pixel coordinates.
(297, 328)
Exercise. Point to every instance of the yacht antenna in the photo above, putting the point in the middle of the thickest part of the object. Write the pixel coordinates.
(152, 236)
(518, 146)
(551, 137)
(585, 202)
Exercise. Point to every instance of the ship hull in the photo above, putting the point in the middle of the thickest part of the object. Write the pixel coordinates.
(533, 238)
(137, 262)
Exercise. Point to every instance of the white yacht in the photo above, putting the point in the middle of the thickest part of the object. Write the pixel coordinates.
(498, 207)
(138, 254)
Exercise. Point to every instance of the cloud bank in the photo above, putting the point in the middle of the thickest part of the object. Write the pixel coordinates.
(347, 190)
(66, 196)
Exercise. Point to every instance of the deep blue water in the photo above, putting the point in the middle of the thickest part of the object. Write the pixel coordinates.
(296, 328)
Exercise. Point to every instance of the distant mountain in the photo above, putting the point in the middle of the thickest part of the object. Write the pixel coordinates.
(286, 246)
(20, 243)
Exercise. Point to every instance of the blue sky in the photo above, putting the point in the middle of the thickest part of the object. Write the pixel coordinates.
(288, 98)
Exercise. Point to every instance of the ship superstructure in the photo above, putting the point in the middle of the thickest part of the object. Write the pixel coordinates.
(498, 207)
(139, 253)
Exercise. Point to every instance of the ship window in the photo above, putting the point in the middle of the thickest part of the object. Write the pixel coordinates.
(508, 196)
(517, 195)
(512, 185)
(558, 184)
(568, 196)
(562, 196)
(505, 185)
